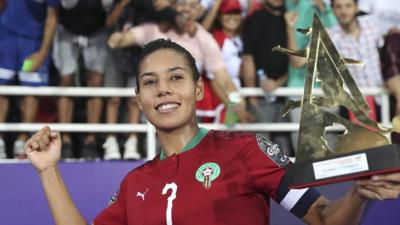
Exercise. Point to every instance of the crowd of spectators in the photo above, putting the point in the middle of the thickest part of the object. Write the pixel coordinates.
(97, 43)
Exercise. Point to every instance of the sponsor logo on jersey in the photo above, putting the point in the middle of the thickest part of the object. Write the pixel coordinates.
(142, 194)
(207, 172)
(272, 150)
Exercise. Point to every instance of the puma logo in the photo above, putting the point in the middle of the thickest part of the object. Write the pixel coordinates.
(140, 194)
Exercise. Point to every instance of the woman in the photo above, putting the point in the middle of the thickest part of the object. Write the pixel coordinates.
(227, 34)
(201, 177)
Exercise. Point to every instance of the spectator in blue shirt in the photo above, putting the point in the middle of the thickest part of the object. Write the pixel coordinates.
(26, 33)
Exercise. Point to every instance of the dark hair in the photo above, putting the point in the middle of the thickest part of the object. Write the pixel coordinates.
(333, 1)
(160, 44)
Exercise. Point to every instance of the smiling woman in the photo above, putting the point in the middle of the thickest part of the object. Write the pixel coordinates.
(200, 176)
(169, 85)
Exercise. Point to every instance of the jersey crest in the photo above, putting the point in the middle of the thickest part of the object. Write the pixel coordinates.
(272, 150)
(207, 172)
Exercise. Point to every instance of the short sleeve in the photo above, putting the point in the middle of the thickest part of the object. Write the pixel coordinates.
(144, 33)
(211, 53)
(265, 164)
(115, 213)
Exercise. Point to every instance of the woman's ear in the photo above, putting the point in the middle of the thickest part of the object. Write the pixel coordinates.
(138, 98)
(199, 89)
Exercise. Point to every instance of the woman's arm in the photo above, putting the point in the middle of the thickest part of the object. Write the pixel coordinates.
(348, 210)
(43, 150)
(62, 207)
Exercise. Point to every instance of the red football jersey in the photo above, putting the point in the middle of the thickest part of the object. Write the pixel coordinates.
(227, 178)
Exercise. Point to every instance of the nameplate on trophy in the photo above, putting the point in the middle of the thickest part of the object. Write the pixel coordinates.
(340, 166)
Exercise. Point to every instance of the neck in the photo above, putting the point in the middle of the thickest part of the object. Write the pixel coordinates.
(174, 141)
(164, 26)
(178, 30)
(230, 33)
(352, 28)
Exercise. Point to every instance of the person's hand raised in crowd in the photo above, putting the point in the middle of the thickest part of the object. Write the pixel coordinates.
(320, 5)
(121, 39)
(381, 187)
(291, 19)
(44, 149)
(115, 39)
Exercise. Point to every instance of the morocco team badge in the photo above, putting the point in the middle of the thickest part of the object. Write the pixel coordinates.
(206, 173)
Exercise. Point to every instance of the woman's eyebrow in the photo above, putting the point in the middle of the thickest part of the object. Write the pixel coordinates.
(168, 70)
(176, 68)
(147, 74)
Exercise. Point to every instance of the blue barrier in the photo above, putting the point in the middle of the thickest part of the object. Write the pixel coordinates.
(22, 201)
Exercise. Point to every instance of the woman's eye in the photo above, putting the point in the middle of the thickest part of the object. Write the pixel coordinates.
(149, 82)
(176, 77)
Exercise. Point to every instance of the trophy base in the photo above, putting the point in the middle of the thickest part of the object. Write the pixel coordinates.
(344, 167)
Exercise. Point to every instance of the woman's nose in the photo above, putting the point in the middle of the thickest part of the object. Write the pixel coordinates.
(163, 88)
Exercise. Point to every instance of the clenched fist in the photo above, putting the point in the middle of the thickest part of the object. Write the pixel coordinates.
(114, 41)
(44, 149)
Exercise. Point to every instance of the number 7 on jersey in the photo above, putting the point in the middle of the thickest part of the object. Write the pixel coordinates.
(171, 198)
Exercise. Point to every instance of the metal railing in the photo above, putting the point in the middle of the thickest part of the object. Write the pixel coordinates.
(148, 128)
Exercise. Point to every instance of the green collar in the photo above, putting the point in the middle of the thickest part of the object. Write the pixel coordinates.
(195, 140)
